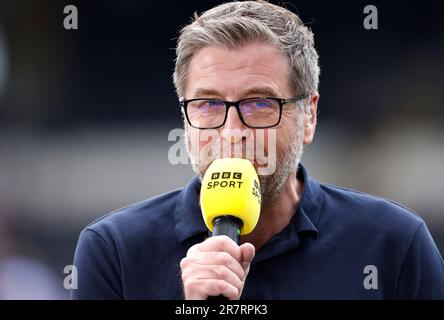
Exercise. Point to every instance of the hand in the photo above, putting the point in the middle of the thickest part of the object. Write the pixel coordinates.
(217, 266)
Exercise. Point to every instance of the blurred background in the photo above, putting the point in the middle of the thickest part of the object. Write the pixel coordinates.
(85, 116)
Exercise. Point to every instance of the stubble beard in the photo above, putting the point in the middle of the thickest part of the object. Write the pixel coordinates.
(288, 156)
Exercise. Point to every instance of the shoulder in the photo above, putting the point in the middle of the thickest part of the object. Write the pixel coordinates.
(368, 213)
(367, 229)
(147, 217)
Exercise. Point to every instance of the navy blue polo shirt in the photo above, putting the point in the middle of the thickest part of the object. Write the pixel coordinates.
(340, 244)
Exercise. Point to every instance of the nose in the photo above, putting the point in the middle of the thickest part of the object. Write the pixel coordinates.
(233, 129)
(233, 119)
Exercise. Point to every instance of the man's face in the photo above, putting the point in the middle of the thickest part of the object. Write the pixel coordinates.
(254, 70)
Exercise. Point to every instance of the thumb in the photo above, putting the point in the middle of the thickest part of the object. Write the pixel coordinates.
(247, 255)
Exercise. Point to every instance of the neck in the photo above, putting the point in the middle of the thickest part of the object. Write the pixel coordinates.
(277, 214)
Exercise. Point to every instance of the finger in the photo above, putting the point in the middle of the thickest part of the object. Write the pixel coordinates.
(199, 289)
(208, 272)
(247, 252)
(219, 243)
(216, 258)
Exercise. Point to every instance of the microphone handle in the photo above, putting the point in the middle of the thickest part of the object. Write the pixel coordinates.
(229, 226)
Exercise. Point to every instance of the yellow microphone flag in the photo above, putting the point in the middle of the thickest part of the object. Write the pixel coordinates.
(230, 186)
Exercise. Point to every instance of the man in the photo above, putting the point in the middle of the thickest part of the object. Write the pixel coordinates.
(250, 69)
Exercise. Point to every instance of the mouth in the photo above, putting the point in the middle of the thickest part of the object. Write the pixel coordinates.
(256, 164)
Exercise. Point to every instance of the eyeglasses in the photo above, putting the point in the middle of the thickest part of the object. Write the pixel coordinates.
(263, 112)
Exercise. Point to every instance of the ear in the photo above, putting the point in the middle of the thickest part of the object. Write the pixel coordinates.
(310, 118)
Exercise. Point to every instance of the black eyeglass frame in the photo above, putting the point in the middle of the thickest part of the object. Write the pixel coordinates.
(236, 104)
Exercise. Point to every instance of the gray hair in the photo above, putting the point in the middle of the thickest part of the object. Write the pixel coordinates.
(234, 24)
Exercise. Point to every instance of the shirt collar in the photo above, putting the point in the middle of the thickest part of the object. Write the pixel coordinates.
(189, 221)
(188, 216)
(307, 215)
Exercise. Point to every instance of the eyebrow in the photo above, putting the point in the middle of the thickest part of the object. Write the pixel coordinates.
(258, 91)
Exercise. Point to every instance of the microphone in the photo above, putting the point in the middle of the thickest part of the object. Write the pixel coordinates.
(230, 197)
